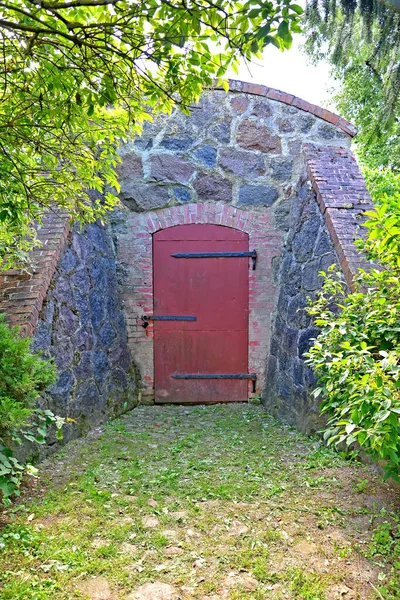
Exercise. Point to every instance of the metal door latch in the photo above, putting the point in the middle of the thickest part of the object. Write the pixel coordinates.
(145, 319)
(251, 376)
(252, 254)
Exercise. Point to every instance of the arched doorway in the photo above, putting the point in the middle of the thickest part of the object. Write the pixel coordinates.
(201, 314)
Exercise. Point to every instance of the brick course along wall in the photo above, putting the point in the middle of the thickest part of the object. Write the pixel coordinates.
(343, 198)
(22, 293)
(291, 100)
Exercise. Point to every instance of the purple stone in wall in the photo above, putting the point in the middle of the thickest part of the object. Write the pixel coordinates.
(170, 168)
(81, 323)
(96, 301)
(207, 155)
(63, 386)
(244, 164)
(257, 195)
(213, 188)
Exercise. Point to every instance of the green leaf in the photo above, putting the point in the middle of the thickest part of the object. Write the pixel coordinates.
(283, 30)
(350, 427)
(263, 32)
(269, 39)
(7, 487)
(297, 8)
(382, 415)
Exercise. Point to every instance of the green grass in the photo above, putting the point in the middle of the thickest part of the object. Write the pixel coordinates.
(188, 496)
(308, 586)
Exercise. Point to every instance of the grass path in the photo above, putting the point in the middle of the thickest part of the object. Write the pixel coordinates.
(201, 503)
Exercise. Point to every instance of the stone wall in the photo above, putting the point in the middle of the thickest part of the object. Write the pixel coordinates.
(308, 250)
(235, 148)
(236, 160)
(324, 221)
(257, 159)
(82, 327)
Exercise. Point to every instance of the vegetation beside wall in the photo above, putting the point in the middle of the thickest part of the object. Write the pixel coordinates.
(357, 354)
(23, 376)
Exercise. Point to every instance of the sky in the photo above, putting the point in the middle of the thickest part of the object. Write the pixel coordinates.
(291, 71)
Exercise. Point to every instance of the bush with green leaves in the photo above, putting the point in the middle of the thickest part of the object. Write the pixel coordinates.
(23, 377)
(383, 185)
(356, 356)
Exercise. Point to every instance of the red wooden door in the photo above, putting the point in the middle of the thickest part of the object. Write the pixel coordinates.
(214, 292)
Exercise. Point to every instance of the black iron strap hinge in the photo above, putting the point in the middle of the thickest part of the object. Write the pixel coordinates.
(252, 254)
(252, 376)
(145, 319)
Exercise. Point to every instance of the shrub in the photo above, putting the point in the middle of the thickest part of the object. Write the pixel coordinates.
(23, 376)
(356, 357)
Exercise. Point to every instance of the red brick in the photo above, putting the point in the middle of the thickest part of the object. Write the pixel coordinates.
(150, 223)
(27, 300)
(137, 297)
(302, 104)
(342, 200)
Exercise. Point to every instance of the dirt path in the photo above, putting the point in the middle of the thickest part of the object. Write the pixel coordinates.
(202, 503)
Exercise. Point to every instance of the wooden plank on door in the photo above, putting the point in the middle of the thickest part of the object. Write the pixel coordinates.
(215, 291)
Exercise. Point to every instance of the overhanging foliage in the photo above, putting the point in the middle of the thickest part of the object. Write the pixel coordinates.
(79, 76)
(361, 39)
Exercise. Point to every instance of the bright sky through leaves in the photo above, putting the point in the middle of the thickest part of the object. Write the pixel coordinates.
(291, 72)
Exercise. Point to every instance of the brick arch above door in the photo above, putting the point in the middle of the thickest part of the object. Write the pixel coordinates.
(135, 252)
